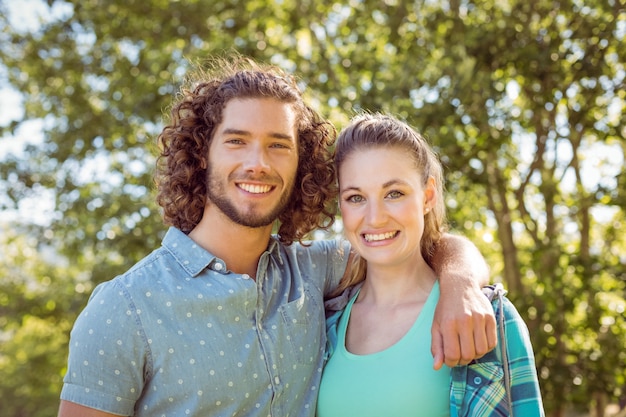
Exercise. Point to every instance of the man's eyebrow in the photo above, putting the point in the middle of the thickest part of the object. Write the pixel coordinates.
(275, 135)
(235, 132)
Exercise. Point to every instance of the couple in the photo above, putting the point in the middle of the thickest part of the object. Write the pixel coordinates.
(226, 318)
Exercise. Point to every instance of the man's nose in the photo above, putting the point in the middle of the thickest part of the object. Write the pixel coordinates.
(257, 160)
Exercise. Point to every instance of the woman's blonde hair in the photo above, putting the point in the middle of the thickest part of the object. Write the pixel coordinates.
(367, 131)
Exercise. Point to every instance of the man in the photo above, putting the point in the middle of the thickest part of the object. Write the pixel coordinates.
(225, 319)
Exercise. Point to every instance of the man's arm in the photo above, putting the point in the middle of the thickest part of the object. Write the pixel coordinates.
(464, 326)
(70, 409)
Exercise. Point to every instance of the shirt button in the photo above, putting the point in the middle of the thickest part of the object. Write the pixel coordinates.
(277, 380)
(245, 276)
(218, 266)
(477, 380)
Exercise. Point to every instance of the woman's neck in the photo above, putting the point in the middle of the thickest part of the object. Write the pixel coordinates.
(391, 285)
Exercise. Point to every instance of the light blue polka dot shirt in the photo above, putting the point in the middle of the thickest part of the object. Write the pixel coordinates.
(181, 335)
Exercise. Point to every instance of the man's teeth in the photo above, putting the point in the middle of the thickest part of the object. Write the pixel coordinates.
(379, 236)
(255, 189)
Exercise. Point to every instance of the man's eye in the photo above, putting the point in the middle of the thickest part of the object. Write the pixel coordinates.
(280, 146)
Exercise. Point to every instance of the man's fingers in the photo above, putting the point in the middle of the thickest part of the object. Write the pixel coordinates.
(467, 334)
(451, 346)
(477, 338)
(481, 343)
(492, 332)
(472, 339)
(485, 336)
(467, 342)
(436, 347)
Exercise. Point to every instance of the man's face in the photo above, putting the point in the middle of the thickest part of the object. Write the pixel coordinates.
(253, 160)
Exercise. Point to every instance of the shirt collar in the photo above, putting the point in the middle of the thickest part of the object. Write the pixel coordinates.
(273, 248)
(194, 259)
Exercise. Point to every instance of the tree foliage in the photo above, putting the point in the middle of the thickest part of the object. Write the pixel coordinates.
(522, 99)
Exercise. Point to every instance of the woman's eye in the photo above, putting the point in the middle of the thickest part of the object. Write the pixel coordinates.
(395, 194)
(355, 199)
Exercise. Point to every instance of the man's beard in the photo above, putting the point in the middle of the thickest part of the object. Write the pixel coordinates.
(217, 196)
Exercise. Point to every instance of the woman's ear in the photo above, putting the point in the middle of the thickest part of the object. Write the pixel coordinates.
(430, 194)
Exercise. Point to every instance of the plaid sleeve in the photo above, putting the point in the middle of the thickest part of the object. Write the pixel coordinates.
(479, 389)
(525, 393)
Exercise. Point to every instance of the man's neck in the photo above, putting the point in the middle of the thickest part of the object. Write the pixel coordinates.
(239, 246)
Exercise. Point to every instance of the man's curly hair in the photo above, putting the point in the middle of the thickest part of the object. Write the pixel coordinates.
(181, 172)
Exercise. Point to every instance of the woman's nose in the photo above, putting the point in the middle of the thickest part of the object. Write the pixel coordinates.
(376, 213)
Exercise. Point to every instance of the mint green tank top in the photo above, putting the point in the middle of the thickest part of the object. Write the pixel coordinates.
(399, 381)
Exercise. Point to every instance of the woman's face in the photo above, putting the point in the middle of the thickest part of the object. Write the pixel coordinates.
(382, 197)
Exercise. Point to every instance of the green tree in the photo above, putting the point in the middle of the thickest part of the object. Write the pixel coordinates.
(38, 300)
(544, 91)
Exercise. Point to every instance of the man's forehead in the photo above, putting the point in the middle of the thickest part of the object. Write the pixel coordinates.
(250, 116)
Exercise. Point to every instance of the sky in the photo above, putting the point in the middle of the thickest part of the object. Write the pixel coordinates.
(27, 16)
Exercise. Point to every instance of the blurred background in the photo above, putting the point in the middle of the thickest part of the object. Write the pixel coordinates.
(524, 100)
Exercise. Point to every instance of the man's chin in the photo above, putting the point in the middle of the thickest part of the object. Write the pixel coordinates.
(254, 221)
(252, 216)
(256, 224)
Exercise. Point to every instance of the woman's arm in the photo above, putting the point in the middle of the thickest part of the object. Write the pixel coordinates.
(464, 326)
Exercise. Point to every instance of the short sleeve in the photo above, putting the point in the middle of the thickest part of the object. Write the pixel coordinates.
(331, 256)
(108, 353)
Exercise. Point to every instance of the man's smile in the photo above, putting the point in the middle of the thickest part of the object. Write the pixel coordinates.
(255, 188)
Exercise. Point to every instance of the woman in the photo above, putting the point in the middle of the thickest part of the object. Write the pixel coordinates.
(391, 200)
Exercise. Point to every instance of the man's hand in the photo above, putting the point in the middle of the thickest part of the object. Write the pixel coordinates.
(464, 327)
